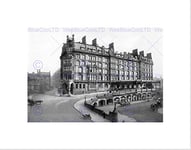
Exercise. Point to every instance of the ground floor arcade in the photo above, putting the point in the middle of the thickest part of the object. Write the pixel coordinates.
(79, 87)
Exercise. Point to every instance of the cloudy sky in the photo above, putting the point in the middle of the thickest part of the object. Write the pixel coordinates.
(45, 43)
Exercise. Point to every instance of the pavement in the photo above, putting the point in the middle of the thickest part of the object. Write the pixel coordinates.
(142, 112)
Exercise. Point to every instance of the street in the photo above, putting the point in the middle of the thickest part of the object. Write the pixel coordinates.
(56, 109)
(70, 109)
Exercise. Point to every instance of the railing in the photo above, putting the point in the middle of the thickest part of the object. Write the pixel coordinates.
(125, 91)
(112, 116)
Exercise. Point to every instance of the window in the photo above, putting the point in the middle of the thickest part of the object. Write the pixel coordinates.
(104, 59)
(80, 76)
(93, 58)
(105, 71)
(125, 63)
(105, 65)
(80, 86)
(94, 69)
(100, 77)
(78, 63)
(82, 57)
(80, 69)
(76, 86)
(94, 77)
(106, 77)
(84, 86)
(77, 56)
(87, 57)
(83, 63)
(99, 65)
(122, 77)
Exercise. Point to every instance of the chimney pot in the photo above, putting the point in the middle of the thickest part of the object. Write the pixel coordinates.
(111, 46)
(94, 42)
(141, 53)
(84, 40)
(149, 55)
(135, 52)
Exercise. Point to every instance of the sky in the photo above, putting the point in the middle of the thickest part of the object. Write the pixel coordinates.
(45, 44)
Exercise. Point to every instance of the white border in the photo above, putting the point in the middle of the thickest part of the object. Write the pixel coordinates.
(171, 15)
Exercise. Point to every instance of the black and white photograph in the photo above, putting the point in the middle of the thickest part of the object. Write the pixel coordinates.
(92, 80)
(95, 75)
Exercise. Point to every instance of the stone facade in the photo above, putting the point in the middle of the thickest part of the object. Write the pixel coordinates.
(89, 67)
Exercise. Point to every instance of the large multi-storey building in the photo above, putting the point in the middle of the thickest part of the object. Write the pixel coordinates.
(39, 82)
(90, 67)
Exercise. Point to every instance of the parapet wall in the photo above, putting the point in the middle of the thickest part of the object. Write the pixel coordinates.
(112, 116)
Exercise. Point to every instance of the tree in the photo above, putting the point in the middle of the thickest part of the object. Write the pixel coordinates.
(56, 79)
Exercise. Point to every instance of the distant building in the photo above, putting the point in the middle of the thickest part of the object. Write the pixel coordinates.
(89, 67)
(39, 82)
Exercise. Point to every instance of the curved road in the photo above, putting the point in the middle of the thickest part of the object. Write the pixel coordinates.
(56, 109)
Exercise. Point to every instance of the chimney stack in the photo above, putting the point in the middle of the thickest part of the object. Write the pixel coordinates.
(125, 54)
(149, 55)
(67, 38)
(94, 42)
(135, 52)
(111, 46)
(84, 40)
(70, 40)
(141, 53)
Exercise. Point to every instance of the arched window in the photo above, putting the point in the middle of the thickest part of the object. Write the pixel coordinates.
(78, 63)
(100, 77)
(83, 63)
(80, 69)
(82, 56)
